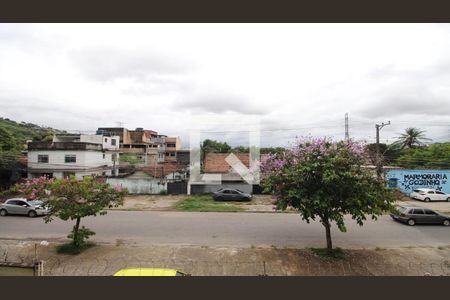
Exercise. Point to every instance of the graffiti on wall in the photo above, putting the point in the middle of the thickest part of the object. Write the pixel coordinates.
(408, 180)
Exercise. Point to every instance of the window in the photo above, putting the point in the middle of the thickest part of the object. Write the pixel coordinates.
(401, 209)
(104, 155)
(172, 154)
(106, 140)
(113, 142)
(114, 156)
(417, 211)
(440, 193)
(170, 145)
(430, 192)
(42, 158)
(430, 212)
(70, 158)
(18, 203)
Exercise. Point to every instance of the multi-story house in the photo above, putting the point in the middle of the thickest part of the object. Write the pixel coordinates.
(172, 145)
(74, 154)
(146, 145)
(183, 156)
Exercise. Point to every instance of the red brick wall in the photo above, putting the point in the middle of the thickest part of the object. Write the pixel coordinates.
(215, 162)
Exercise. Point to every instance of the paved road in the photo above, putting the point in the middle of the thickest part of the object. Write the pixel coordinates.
(227, 229)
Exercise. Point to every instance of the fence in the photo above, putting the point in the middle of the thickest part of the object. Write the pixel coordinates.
(139, 186)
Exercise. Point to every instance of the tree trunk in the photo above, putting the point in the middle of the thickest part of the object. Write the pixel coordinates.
(328, 233)
(75, 231)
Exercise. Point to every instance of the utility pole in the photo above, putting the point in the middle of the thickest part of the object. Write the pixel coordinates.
(379, 160)
(347, 136)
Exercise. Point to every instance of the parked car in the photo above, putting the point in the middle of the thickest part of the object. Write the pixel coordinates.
(231, 195)
(149, 272)
(428, 195)
(413, 215)
(20, 206)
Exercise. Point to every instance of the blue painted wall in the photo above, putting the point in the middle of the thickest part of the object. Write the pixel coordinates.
(408, 180)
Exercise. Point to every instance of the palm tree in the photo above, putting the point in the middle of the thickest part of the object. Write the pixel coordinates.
(411, 138)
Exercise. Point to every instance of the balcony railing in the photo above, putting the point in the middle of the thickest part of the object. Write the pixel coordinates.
(63, 146)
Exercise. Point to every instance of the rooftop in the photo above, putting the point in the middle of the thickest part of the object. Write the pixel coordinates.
(63, 146)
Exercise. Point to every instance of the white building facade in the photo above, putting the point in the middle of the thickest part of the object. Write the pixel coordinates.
(74, 154)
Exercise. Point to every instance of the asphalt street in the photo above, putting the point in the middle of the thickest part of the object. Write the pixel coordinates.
(227, 229)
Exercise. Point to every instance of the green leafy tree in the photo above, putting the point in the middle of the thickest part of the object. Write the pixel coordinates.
(434, 156)
(413, 137)
(133, 160)
(214, 146)
(389, 153)
(325, 180)
(72, 199)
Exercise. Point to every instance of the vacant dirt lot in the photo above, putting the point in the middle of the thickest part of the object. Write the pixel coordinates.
(150, 202)
(106, 259)
(259, 203)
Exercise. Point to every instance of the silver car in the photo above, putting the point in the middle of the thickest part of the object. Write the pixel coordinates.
(232, 195)
(19, 206)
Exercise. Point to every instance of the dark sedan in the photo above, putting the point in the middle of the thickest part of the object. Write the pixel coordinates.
(413, 215)
(231, 195)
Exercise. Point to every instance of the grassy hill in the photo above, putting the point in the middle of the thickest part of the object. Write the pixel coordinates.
(21, 132)
(13, 139)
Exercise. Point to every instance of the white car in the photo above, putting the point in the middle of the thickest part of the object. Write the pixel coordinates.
(20, 206)
(428, 195)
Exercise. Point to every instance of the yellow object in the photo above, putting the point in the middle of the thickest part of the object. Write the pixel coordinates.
(147, 272)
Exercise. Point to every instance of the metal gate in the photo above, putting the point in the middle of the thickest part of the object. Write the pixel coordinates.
(176, 188)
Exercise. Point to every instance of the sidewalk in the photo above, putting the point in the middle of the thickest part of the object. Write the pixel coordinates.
(106, 259)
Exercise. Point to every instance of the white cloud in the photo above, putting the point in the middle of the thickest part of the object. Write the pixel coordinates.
(81, 76)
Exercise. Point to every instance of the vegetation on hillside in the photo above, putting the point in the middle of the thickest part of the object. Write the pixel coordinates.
(411, 152)
(434, 156)
(13, 138)
(27, 131)
(213, 146)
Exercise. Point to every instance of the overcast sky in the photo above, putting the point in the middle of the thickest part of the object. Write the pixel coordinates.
(292, 79)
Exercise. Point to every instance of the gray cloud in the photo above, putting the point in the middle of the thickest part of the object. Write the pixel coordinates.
(108, 63)
(156, 85)
(413, 101)
(409, 92)
(38, 111)
(218, 102)
(439, 69)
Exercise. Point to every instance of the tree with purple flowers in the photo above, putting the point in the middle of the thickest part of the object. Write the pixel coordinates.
(72, 199)
(325, 180)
